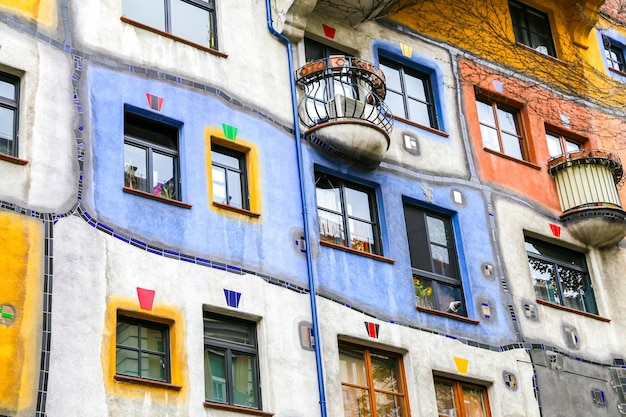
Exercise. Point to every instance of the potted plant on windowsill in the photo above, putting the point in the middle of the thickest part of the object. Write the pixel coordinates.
(423, 294)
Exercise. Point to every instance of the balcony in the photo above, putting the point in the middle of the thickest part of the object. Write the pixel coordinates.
(343, 108)
(586, 181)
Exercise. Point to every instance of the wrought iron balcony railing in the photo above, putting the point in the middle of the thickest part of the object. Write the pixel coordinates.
(343, 89)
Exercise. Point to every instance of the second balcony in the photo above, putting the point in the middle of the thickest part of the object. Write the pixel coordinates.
(343, 107)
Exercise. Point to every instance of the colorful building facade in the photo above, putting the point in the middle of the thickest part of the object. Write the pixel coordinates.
(300, 208)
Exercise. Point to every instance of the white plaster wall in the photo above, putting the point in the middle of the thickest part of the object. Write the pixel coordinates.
(46, 121)
(255, 65)
(423, 355)
(91, 266)
(599, 340)
(437, 154)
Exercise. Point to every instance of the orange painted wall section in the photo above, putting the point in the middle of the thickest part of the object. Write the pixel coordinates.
(44, 11)
(21, 249)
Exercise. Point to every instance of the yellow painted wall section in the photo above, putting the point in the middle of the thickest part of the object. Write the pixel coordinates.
(44, 11)
(169, 315)
(215, 135)
(484, 28)
(21, 255)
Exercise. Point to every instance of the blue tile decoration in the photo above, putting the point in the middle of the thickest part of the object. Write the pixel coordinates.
(232, 298)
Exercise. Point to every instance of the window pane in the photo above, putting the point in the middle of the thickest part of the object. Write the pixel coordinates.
(163, 180)
(358, 204)
(327, 194)
(395, 103)
(506, 119)
(512, 146)
(424, 294)
(331, 227)
(554, 145)
(361, 236)
(135, 167)
(473, 402)
(7, 131)
(571, 146)
(226, 160)
(127, 362)
(127, 334)
(441, 259)
(235, 196)
(352, 365)
(215, 375)
(150, 12)
(445, 399)
(577, 291)
(436, 230)
(448, 297)
(485, 113)
(190, 22)
(544, 280)
(418, 112)
(7, 90)
(233, 331)
(152, 366)
(388, 405)
(490, 138)
(392, 77)
(356, 402)
(219, 185)
(152, 339)
(244, 391)
(385, 372)
(415, 87)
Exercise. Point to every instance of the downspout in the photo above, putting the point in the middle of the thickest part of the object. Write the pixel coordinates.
(307, 240)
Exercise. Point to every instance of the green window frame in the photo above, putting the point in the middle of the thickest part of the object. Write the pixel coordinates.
(9, 113)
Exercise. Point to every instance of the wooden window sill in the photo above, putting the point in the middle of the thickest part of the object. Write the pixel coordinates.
(622, 73)
(156, 197)
(511, 158)
(448, 315)
(12, 159)
(550, 57)
(572, 310)
(147, 382)
(421, 126)
(173, 37)
(357, 252)
(236, 210)
(235, 408)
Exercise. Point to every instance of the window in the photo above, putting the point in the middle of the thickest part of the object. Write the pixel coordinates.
(372, 383)
(9, 105)
(532, 28)
(142, 349)
(231, 374)
(500, 128)
(193, 20)
(436, 277)
(559, 144)
(560, 276)
(461, 399)
(347, 214)
(229, 177)
(614, 54)
(409, 94)
(151, 156)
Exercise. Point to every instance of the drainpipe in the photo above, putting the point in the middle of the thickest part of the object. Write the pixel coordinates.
(307, 240)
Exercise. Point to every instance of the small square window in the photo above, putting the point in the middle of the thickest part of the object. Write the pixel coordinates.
(501, 128)
(347, 214)
(231, 370)
(142, 349)
(614, 53)
(151, 156)
(193, 20)
(9, 112)
(456, 398)
(560, 276)
(409, 93)
(230, 185)
(559, 144)
(372, 382)
(436, 277)
(532, 28)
